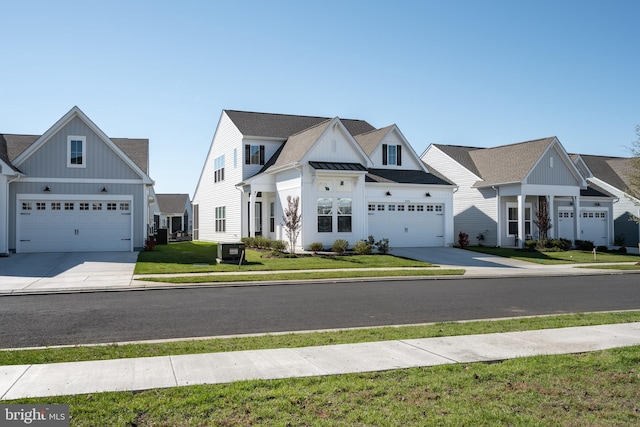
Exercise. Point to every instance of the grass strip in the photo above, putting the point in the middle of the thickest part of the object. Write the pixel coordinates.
(629, 267)
(344, 274)
(594, 389)
(561, 257)
(291, 340)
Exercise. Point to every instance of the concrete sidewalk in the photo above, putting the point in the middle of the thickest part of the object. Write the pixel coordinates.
(21, 381)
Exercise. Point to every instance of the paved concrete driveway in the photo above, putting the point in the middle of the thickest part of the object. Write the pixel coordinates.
(59, 271)
(458, 257)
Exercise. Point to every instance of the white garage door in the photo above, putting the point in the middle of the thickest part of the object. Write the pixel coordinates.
(407, 224)
(594, 227)
(74, 225)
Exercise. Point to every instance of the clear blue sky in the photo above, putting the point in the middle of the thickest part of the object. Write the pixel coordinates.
(479, 73)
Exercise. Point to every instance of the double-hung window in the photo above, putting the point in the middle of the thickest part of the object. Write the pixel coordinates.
(512, 219)
(76, 151)
(221, 219)
(325, 215)
(391, 155)
(218, 169)
(254, 154)
(344, 215)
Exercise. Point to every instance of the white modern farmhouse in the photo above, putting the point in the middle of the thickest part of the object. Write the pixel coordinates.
(73, 189)
(353, 180)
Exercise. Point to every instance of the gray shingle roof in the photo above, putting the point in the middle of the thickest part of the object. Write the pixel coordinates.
(499, 165)
(297, 145)
(615, 171)
(11, 146)
(284, 125)
(172, 203)
(370, 140)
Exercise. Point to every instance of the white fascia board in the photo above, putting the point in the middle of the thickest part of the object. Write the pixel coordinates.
(336, 122)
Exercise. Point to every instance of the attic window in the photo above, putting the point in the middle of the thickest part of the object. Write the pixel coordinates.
(76, 151)
(550, 162)
(391, 155)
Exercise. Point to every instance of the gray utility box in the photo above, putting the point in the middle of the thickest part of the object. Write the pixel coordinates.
(230, 252)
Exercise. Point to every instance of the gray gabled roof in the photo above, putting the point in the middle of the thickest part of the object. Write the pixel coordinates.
(370, 140)
(172, 203)
(12, 145)
(615, 171)
(500, 165)
(284, 125)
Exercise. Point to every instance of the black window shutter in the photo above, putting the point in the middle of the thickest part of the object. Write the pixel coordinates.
(398, 155)
(247, 154)
(384, 154)
(262, 154)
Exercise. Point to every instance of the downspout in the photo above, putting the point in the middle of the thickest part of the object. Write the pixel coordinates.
(499, 223)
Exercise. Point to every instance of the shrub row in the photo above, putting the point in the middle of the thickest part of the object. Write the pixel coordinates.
(361, 247)
(262, 242)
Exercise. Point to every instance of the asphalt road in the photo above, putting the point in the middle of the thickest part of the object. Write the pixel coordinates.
(37, 320)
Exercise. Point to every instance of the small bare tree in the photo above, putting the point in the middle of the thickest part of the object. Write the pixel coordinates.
(634, 175)
(543, 219)
(292, 222)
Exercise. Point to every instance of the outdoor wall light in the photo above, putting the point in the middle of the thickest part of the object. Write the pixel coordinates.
(388, 193)
(47, 189)
(597, 203)
(428, 195)
(104, 190)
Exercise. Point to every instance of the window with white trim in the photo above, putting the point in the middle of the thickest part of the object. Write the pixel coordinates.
(372, 207)
(218, 169)
(221, 219)
(68, 206)
(76, 151)
(344, 215)
(392, 208)
(55, 206)
(83, 206)
(41, 206)
(97, 206)
(512, 219)
(112, 206)
(391, 155)
(26, 206)
(325, 215)
(380, 207)
(400, 208)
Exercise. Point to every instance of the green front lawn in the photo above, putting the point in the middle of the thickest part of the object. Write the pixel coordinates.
(200, 257)
(596, 388)
(565, 257)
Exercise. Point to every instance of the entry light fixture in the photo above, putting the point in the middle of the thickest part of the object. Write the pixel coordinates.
(597, 203)
(388, 193)
(47, 189)
(104, 190)
(428, 195)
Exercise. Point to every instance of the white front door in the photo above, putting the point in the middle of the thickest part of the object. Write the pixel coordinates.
(566, 225)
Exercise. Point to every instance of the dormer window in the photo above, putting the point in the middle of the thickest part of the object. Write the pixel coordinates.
(76, 151)
(391, 155)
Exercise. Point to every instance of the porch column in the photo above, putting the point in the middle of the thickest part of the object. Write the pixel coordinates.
(252, 213)
(521, 235)
(576, 217)
(4, 215)
(552, 219)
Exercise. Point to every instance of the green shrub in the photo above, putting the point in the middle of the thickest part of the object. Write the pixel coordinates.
(340, 246)
(622, 250)
(249, 242)
(602, 249)
(362, 247)
(531, 244)
(584, 245)
(279, 245)
(383, 246)
(316, 246)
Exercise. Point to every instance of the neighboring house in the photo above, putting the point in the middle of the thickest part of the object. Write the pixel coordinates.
(73, 189)
(501, 188)
(613, 175)
(173, 213)
(352, 180)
